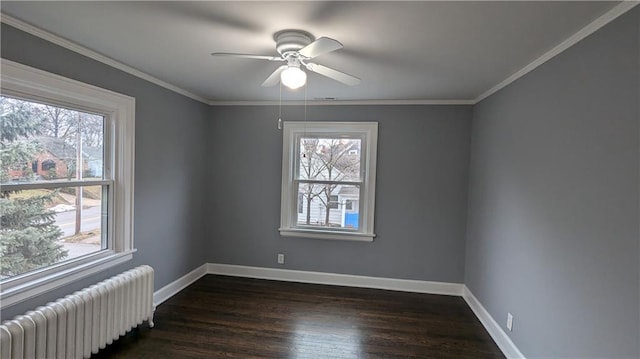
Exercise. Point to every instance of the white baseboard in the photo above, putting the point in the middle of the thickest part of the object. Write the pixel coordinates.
(289, 275)
(503, 341)
(495, 330)
(179, 284)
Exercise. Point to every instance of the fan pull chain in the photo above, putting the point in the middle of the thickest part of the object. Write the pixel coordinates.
(306, 85)
(280, 109)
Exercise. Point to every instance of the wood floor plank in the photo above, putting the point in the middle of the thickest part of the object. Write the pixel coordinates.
(231, 317)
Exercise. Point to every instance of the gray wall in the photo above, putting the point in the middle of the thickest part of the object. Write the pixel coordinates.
(169, 173)
(553, 201)
(423, 154)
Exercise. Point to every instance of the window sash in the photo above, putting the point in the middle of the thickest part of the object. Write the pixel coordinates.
(17, 282)
(330, 135)
(106, 228)
(296, 191)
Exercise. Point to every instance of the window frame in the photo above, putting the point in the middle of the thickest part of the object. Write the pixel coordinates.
(28, 83)
(292, 131)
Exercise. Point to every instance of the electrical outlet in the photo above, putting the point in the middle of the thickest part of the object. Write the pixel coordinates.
(280, 258)
(509, 321)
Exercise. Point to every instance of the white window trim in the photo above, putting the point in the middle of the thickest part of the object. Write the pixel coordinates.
(30, 83)
(289, 204)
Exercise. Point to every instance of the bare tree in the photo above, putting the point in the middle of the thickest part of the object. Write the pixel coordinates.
(64, 124)
(58, 122)
(339, 166)
(92, 130)
(311, 170)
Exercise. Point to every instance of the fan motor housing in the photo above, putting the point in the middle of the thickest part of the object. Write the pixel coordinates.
(288, 41)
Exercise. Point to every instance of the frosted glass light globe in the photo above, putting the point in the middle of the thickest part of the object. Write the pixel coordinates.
(293, 77)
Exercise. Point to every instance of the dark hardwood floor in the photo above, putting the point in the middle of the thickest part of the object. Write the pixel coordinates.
(229, 317)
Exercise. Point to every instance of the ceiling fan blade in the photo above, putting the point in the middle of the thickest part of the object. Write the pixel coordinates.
(333, 74)
(274, 78)
(247, 56)
(319, 47)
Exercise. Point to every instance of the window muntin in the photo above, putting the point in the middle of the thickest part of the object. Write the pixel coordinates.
(105, 173)
(330, 166)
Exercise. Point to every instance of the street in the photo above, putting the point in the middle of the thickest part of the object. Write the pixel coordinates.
(90, 220)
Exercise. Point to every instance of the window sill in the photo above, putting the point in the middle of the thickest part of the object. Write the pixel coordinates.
(332, 235)
(13, 292)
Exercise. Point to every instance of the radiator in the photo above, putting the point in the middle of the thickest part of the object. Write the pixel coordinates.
(84, 322)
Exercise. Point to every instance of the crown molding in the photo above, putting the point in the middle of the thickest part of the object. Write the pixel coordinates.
(341, 102)
(592, 27)
(69, 45)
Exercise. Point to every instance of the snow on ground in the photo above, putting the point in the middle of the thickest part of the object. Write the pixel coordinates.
(62, 208)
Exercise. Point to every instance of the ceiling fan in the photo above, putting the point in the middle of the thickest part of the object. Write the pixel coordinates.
(296, 48)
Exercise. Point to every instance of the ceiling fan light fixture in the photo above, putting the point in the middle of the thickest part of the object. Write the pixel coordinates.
(293, 77)
(296, 48)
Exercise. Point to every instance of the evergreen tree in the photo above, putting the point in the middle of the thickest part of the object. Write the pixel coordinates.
(28, 233)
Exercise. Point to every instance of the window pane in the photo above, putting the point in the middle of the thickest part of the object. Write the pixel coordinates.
(300, 202)
(43, 142)
(41, 227)
(329, 205)
(334, 159)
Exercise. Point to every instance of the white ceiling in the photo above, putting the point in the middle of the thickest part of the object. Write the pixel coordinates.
(401, 50)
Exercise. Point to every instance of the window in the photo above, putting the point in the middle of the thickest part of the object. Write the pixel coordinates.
(333, 202)
(46, 164)
(66, 181)
(330, 167)
(348, 205)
